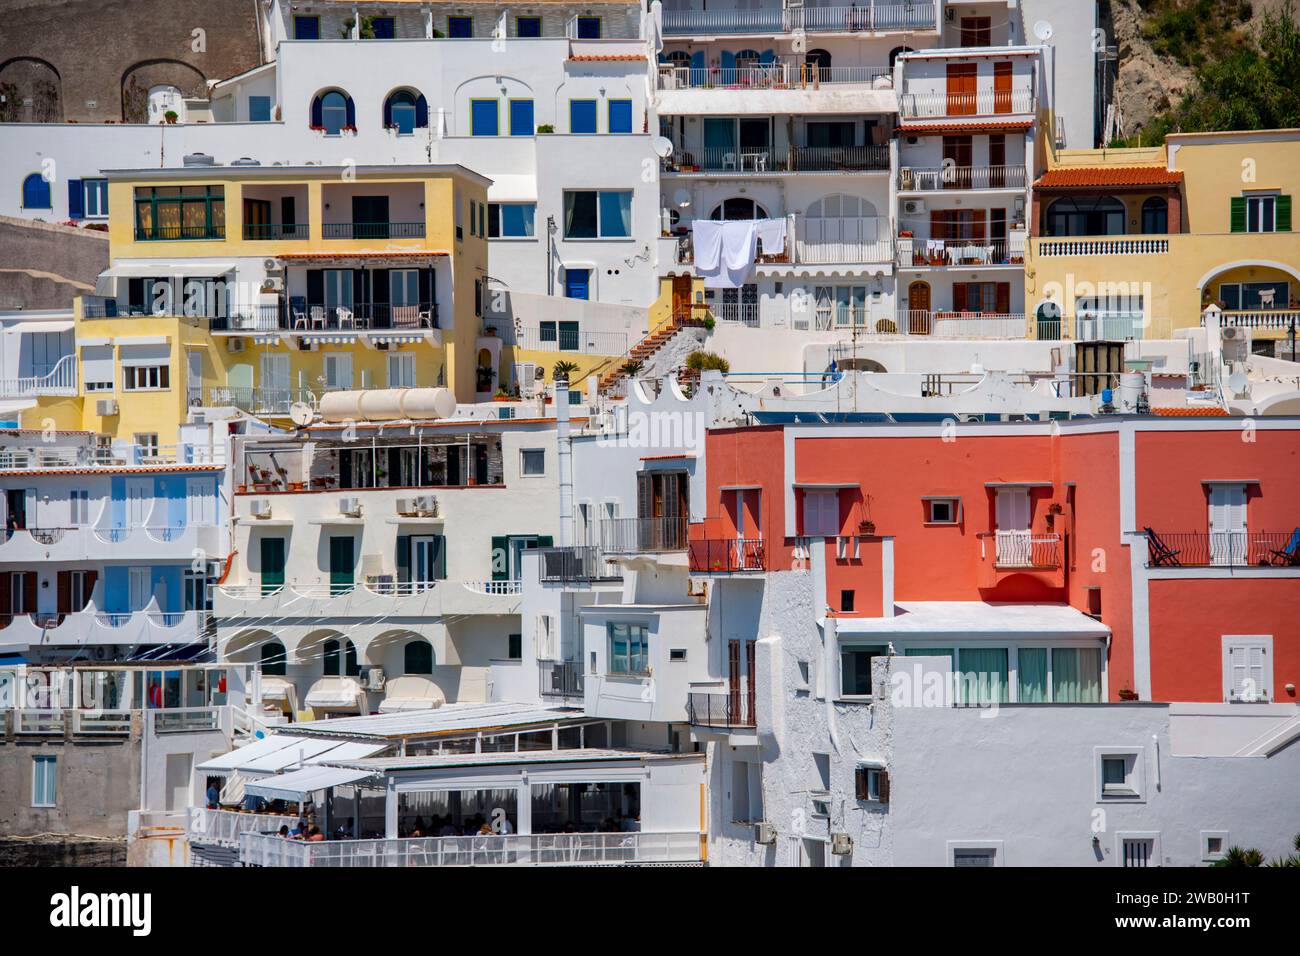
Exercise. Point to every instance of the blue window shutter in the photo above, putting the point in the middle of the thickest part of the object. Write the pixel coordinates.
(767, 57)
(317, 115)
(388, 112)
(620, 116)
(521, 118)
(352, 112)
(697, 68)
(582, 116)
(76, 200)
(728, 62)
(421, 112)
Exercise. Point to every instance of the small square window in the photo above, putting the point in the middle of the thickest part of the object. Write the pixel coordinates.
(855, 670)
(532, 461)
(677, 654)
(1213, 844)
(1119, 774)
(872, 784)
(514, 647)
(805, 675)
(942, 510)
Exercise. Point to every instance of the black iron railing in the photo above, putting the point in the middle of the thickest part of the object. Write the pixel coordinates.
(266, 230)
(372, 230)
(727, 555)
(576, 563)
(720, 709)
(1223, 549)
(560, 678)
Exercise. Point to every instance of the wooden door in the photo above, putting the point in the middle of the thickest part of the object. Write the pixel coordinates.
(957, 162)
(918, 308)
(681, 297)
(997, 161)
(1002, 87)
(961, 89)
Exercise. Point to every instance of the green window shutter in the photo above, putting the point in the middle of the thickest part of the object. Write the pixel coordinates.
(272, 564)
(545, 541)
(1238, 214)
(500, 557)
(1283, 213)
(403, 558)
(440, 557)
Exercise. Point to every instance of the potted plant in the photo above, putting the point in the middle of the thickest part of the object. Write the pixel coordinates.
(866, 526)
(546, 128)
(564, 369)
(171, 116)
(1127, 693)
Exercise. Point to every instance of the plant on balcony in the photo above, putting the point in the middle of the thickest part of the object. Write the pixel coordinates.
(546, 128)
(171, 116)
(1127, 693)
(563, 369)
(700, 361)
(631, 368)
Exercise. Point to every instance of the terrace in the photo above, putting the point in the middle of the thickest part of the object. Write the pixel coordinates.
(643, 535)
(721, 709)
(869, 16)
(762, 158)
(1223, 549)
(776, 73)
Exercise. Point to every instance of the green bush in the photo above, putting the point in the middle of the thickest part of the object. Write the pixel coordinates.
(700, 360)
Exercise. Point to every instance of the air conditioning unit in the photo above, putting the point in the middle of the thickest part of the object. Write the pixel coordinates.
(1231, 333)
(426, 505)
(259, 507)
(913, 207)
(104, 407)
(764, 833)
(841, 844)
(350, 506)
(271, 265)
(273, 284)
(235, 344)
(405, 506)
(372, 678)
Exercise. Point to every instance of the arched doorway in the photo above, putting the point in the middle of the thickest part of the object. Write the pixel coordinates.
(738, 207)
(817, 65)
(918, 308)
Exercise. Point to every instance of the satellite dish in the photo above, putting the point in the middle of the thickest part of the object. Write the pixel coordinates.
(1238, 382)
(300, 414)
(682, 198)
(663, 146)
(1043, 30)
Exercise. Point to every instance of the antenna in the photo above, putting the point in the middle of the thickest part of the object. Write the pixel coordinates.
(300, 414)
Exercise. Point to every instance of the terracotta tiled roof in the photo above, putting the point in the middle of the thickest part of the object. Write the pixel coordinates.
(1190, 411)
(922, 129)
(1109, 176)
(111, 470)
(320, 256)
(607, 58)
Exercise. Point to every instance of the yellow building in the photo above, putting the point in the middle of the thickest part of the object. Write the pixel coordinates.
(260, 286)
(1137, 242)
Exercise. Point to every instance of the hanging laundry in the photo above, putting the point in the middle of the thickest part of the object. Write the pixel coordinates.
(771, 233)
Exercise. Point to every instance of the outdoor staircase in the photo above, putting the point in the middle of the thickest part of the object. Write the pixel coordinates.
(643, 350)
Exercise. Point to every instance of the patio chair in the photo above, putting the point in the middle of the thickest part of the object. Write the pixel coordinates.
(344, 317)
(1288, 557)
(1159, 554)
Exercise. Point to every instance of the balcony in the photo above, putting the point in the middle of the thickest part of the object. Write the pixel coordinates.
(576, 565)
(816, 241)
(111, 456)
(375, 599)
(223, 827)
(304, 318)
(727, 556)
(274, 232)
(959, 325)
(1004, 554)
(560, 679)
(86, 543)
(1223, 549)
(260, 401)
(1279, 319)
(959, 253)
(372, 230)
(1103, 246)
(60, 380)
(982, 103)
(534, 849)
(783, 73)
(643, 535)
(169, 231)
(939, 178)
(92, 626)
(744, 161)
(866, 17)
(709, 709)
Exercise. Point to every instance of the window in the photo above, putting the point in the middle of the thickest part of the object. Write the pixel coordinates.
(97, 367)
(521, 118)
(564, 335)
(484, 118)
(1155, 216)
(418, 658)
(821, 514)
(511, 220)
(36, 192)
(942, 510)
(1247, 669)
(597, 215)
(1260, 212)
(1137, 852)
(404, 113)
(460, 28)
(94, 198)
(871, 783)
(147, 444)
(588, 28)
(514, 647)
(976, 31)
(855, 669)
(338, 371)
(274, 659)
(846, 599)
(44, 780)
(306, 28)
(1213, 844)
(629, 648)
(259, 109)
(22, 592)
(180, 212)
(620, 116)
(964, 856)
(528, 27)
(983, 677)
(1085, 216)
(532, 461)
(383, 28)
(1255, 296)
(677, 654)
(340, 661)
(1119, 773)
(79, 507)
(582, 116)
(146, 378)
(401, 371)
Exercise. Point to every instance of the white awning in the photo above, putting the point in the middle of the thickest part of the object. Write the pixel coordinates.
(346, 751)
(392, 705)
(17, 405)
(246, 754)
(513, 188)
(57, 326)
(333, 693)
(148, 270)
(299, 783)
(297, 752)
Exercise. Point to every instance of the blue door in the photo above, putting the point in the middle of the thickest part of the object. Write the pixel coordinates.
(576, 283)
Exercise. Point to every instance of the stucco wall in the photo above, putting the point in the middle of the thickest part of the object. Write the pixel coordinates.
(43, 266)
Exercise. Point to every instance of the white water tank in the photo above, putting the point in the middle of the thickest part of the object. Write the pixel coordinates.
(428, 403)
(381, 404)
(387, 404)
(1131, 387)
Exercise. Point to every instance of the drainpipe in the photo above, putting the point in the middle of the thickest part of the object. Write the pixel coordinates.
(564, 444)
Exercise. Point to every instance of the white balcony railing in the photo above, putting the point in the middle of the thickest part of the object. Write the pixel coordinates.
(59, 380)
(868, 16)
(114, 456)
(504, 586)
(933, 105)
(843, 239)
(223, 827)
(1260, 318)
(784, 73)
(937, 178)
(535, 849)
(1117, 246)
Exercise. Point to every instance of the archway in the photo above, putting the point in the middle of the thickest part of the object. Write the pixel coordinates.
(738, 207)
(147, 84)
(918, 308)
(32, 91)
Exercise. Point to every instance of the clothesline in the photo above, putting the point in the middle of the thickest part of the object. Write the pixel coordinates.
(725, 251)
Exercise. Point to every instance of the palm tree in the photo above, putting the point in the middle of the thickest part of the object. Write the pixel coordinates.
(564, 369)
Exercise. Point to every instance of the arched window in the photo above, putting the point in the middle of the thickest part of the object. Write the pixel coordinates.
(36, 192)
(418, 658)
(893, 54)
(1085, 216)
(406, 111)
(347, 660)
(274, 660)
(332, 112)
(678, 58)
(747, 60)
(738, 207)
(1155, 216)
(841, 206)
(819, 60)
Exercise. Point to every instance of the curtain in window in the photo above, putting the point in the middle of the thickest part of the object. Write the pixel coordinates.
(719, 133)
(616, 214)
(1031, 675)
(983, 675)
(1076, 675)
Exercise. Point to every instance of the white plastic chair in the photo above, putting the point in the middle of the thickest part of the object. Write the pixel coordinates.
(344, 317)
(728, 160)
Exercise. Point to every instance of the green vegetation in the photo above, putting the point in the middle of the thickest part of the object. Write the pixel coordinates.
(563, 369)
(1237, 858)
(699, 361)
(1240, 83)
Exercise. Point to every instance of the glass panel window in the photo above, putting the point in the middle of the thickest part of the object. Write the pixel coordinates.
(460, 28)
(592, 215)
(588, 28)
(513, 220)
(95, 193)
(334, 112)
(629, 648)
(532, 461)
(528, 26)
(306, 28)
(44, 780)
(138, 378)
(1261, 213)
(855, 669)
(983, 675)
(484, 118)
(1076, 675)
(401, 108)
(1031, 677)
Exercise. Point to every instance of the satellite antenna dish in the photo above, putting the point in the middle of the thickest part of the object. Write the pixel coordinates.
(300, 414)
(663, 146)
(682, 198)
(1238, 382)
(1043, 30)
